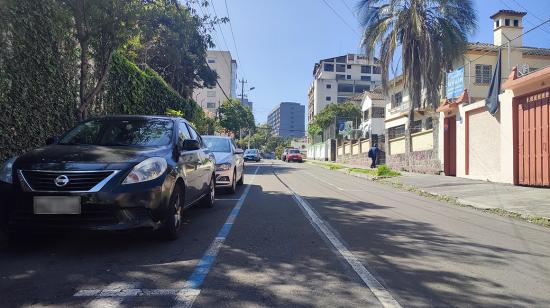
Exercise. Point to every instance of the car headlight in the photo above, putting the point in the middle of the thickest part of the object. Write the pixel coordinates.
(223, 167)
(6, 174)
(147, 170)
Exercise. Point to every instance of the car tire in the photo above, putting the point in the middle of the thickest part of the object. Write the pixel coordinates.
(233, 187)
(241, 180)
(172, 221)
(208, 199)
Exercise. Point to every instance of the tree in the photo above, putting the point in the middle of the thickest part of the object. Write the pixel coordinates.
(431, 34)
(234, 116)
(329, 114)
(102, 26)
(173, 41)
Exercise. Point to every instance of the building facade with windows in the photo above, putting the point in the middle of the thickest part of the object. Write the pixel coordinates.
(337, 79)
(287, 120)
(473, 143)
(210, 99)
(462, 117)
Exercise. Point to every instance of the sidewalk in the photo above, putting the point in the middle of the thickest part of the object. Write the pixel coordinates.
(528, 202)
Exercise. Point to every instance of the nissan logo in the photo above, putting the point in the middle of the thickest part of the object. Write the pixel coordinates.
(61, 180)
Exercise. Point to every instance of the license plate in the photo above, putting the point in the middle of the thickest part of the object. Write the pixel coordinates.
(52, 205)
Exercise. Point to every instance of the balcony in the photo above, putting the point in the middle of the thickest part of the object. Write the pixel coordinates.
(403, 108)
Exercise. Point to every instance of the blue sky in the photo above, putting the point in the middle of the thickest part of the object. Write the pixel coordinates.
(279, 41)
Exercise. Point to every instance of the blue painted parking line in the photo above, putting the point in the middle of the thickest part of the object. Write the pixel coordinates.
(186, 298)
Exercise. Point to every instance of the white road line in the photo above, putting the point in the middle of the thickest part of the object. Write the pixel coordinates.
(383, 295)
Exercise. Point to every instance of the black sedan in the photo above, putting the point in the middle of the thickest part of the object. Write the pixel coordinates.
(111, 173)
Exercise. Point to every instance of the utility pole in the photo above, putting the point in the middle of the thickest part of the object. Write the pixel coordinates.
(242, 81)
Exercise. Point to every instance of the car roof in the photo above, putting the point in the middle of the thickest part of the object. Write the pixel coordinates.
(136, 117)
(214, 136)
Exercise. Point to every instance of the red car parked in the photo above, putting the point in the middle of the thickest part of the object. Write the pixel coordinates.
(294, 155)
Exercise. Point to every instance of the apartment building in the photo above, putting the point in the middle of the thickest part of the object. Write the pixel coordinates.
(211, 98)
(287, 120)
(337, 79)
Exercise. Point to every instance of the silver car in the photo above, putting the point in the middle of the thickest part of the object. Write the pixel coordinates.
(229, 162)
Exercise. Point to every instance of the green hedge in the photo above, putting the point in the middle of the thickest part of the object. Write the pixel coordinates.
(130, 90)
(38, 65)
(39, 70)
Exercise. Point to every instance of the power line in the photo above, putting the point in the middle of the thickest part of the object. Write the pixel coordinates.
(347, 6)
(340, 17)
(233, 36)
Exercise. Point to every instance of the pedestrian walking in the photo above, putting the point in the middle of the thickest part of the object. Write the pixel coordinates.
(373, 154)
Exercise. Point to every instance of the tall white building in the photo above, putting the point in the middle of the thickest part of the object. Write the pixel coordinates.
(210, 99)
(337, 79)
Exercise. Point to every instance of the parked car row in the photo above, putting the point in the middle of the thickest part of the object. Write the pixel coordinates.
(118, 173)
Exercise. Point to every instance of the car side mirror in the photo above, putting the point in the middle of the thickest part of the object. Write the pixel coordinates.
(52, 140)
(190, 145)
(239, 151)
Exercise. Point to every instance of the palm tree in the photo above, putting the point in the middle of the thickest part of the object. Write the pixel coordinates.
(430, 35)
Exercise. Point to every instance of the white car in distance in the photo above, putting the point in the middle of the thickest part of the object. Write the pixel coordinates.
(229, 162)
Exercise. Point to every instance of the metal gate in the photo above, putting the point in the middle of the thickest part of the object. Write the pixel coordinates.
(533, 139)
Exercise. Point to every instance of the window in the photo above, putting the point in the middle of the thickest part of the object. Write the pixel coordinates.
(340, 76)
(329, 86)
(342, 99)
(428, 124)
(341, 59)
(183, 133)
(211, 93)
(328, 98)
(376, 70)
(348, 77)
(366, 115)
(344, 87)
(211, 60)
(417, 127)
(396, 100)
(349, 67)
(359, 88)
(378, 112)
(365, 78)
(341, 68)
(365, 69)
(516, 23)
(497, 23)
(483, 73)
(220, 145)
(210, 105)
(396, 132)
(328, 67)
(507, 22)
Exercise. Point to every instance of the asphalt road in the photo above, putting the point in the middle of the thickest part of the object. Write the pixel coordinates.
(295, 235)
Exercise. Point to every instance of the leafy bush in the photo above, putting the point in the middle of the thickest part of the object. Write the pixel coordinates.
(38, 70)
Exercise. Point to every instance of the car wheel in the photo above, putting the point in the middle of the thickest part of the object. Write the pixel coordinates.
(233, 187)
(172, 221)
(241, 180)
(208, 199)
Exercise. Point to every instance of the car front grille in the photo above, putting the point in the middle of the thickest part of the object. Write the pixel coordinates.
(76, 181)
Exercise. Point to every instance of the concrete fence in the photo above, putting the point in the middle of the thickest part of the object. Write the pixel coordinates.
(356, 152)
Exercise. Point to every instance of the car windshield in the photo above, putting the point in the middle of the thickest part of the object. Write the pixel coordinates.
(250, 151)
(221, 145)
(121, 132)
(294, 151)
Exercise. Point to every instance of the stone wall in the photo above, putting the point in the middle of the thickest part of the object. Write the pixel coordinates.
(419, 161)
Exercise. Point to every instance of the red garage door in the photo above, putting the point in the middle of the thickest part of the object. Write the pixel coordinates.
(533, 140)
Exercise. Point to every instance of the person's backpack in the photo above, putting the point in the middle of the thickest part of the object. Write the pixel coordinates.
(370, 153)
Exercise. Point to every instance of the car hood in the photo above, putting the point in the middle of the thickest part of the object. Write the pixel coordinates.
(86, 157)
(222, 157)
